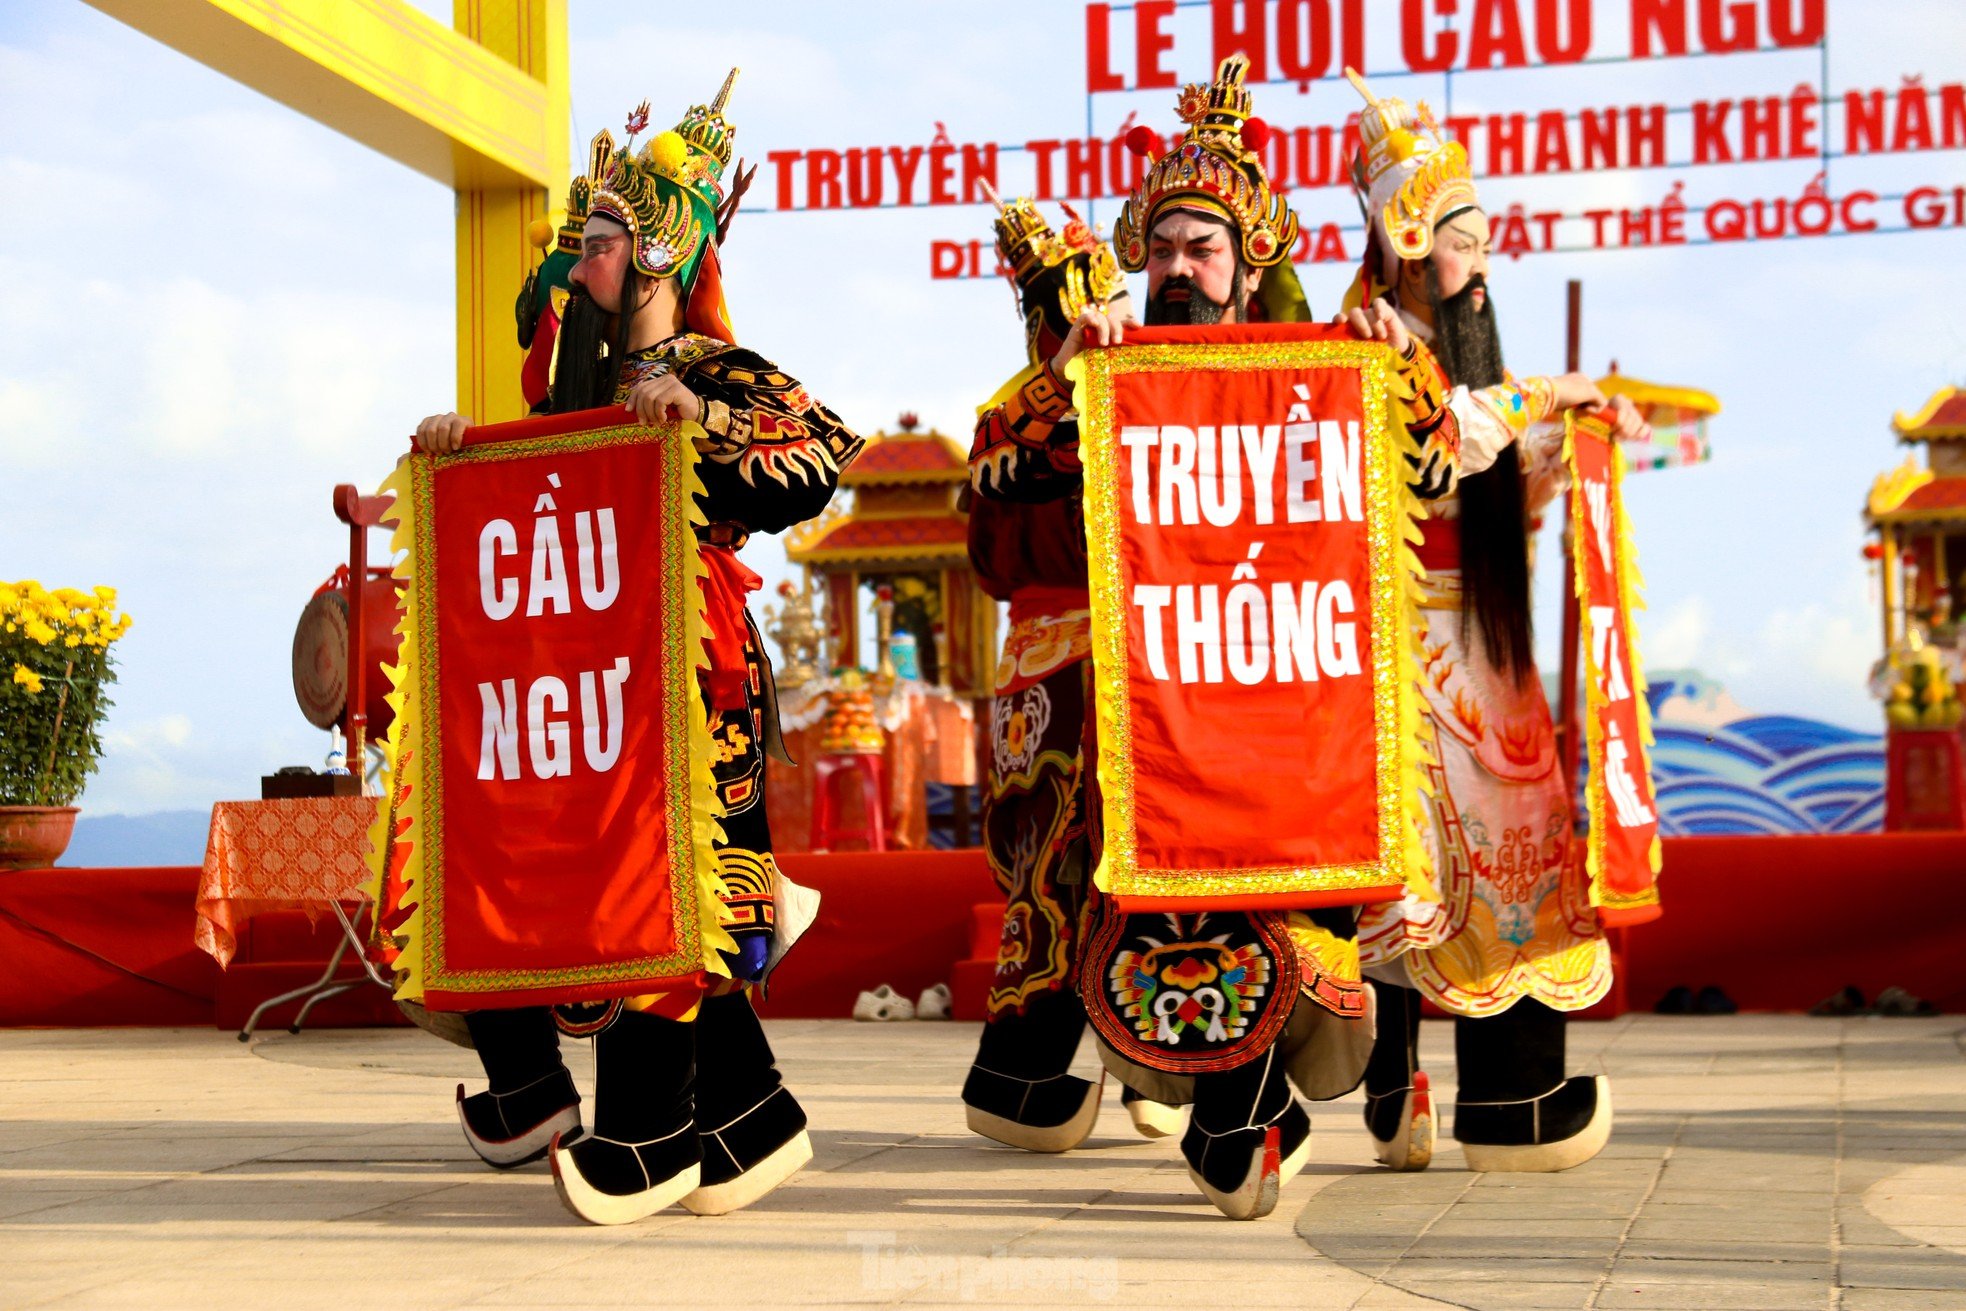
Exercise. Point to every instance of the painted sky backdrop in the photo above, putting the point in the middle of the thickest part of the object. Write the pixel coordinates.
(216, 309)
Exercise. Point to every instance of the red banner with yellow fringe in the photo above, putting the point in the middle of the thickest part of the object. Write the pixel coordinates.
(1622, 851)
(550, 811)
(1247, 521)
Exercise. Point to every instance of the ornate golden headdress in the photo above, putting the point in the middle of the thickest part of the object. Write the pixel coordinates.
(1027, 244)
(1057, 274)
(666, 196)
(707, 131)
(1216, 170)
(1409, 173)
(580, 196)
(1024, 236)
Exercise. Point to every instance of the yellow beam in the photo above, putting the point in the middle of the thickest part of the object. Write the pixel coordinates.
(460, 112)
(482, 108)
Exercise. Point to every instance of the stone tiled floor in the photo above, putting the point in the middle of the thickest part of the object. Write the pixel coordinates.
(1759, 1162)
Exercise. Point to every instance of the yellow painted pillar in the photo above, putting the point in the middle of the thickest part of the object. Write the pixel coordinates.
(493, 252)
(1890, 563)
(1941, 579)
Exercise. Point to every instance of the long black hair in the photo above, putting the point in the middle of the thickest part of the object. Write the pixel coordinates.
(588, 366)
(1494, 518)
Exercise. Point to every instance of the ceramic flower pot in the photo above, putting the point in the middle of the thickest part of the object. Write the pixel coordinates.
(33, 837)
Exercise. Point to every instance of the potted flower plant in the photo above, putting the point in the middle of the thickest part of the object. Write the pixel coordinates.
(54, 672)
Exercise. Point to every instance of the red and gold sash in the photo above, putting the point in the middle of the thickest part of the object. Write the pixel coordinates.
(1623, 849)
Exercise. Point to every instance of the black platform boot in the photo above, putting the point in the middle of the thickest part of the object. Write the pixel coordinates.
(1018, 1091)
(532, 1096)
(1247, 1137)
(751, 1129)
(642, 1154)
(1399, 1110)
(1515, 1112)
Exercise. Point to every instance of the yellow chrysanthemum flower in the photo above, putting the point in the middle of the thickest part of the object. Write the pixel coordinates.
(27, 678)
(76, 617)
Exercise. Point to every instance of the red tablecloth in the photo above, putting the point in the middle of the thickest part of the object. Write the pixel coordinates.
(266, 854)
(101, 947)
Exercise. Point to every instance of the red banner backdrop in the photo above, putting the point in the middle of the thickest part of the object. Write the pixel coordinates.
(1246, 515)
(551, 803)
(1623, 847)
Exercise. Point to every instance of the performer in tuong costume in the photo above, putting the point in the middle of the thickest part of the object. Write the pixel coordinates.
(1510, 943)
(1215, 241)
(1027, 543)
(689, 1103)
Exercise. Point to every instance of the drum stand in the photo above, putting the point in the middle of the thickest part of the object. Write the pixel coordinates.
(360, 513)
(327, 985)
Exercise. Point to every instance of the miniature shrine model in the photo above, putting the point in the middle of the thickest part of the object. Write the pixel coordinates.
(890, 753)
(905, 530)
(1918, 513)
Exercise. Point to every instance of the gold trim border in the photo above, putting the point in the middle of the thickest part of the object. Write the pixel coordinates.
(414, 764)
(1393, 573)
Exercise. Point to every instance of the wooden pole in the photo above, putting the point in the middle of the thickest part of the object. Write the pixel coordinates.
(360, 513)
(1566, 690)
(356, 683)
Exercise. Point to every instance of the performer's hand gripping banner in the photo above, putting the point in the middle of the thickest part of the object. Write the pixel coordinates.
(547, 835)
(1247, 518)
(1623, 847)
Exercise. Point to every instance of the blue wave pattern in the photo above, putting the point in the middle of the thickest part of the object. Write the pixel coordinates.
(1763, 773)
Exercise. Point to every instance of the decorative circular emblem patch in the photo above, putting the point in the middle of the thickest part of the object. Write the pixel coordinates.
(584, 1019)
(1189, 993)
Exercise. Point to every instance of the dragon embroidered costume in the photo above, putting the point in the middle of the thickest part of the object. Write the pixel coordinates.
(1221, 1009)
(689, 1103)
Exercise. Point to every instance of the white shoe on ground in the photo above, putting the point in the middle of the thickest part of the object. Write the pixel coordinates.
(883, 1003)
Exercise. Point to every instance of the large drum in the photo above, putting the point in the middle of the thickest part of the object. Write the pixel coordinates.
(321, 654)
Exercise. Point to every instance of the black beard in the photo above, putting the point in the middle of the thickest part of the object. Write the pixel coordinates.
(592, 345)
(1196, 309)
(578, 370)
(1465, 338)
(1495, 599)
